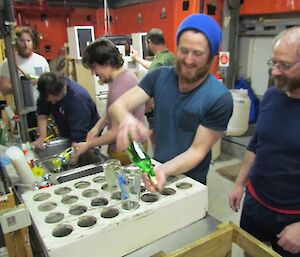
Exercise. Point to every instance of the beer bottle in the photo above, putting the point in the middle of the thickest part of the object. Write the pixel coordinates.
(139, 158)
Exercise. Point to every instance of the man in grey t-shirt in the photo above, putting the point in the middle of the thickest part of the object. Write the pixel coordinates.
(29, 62)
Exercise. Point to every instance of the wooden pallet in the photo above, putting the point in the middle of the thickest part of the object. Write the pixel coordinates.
(219, 244)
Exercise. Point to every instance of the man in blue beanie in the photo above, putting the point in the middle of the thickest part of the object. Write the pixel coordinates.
(192, 108)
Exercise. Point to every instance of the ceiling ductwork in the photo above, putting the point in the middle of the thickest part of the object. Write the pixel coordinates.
(87, 3)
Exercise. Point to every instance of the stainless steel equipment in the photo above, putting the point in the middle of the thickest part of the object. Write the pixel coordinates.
(89, 163)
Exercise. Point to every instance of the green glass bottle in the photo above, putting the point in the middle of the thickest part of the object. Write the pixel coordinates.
(139, 158)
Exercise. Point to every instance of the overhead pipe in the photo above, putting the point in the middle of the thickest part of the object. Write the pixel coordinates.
(72, 3)
(19, 19)
(105, 17)
(43, 8)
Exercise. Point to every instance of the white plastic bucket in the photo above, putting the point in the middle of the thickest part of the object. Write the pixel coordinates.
(239, 121)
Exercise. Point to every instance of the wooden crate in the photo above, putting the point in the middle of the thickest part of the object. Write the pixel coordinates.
(219, 244)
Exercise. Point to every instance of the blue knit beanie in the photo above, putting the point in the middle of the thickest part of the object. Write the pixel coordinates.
(206, 25)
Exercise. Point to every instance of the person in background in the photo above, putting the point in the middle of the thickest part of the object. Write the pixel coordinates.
(104, 60)
(28, 61)
(192, 108)
(271, 167)
(73, 109)
(162, 57)
(156, 46)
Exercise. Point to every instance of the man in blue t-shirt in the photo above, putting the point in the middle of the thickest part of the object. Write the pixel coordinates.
(72, 107)
(271, 169)
(192, 108)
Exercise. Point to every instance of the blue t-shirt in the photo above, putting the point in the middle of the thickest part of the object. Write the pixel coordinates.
(74, 115)
(178, 115)
(275, 174)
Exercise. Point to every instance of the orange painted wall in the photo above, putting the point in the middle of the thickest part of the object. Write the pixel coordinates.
(124, 21)
(53, 33)
(258, 7)
(79, 17)
(100, 28)
(54, 29)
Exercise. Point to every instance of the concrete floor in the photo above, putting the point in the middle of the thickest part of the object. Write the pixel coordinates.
(218, 190)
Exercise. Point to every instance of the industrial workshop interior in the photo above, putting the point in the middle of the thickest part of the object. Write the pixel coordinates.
(149, 128)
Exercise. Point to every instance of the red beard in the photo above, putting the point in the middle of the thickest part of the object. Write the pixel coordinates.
(199, 73)
(24, 52)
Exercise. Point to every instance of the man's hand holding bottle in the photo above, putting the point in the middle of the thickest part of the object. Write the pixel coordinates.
(133, 127)
(160, 177)
(81, 148)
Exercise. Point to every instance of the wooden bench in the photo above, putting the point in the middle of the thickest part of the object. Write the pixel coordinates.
(219, 244)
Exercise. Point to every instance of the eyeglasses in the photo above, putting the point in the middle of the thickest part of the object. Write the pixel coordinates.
(283, 66)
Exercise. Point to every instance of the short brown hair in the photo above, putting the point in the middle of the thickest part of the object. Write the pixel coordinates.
(20, 30)
(156, 36)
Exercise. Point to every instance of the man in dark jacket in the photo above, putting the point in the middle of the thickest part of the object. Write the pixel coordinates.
(72, 107)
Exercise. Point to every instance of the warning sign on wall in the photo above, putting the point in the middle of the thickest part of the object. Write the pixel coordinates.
(224, 59)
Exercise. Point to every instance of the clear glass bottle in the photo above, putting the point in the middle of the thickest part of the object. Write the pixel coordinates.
(130, 184)
(111, 170)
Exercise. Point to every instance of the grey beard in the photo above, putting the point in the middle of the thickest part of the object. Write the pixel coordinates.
(286, 85)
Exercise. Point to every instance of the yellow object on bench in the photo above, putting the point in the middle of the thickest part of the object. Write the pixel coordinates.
(219, 244)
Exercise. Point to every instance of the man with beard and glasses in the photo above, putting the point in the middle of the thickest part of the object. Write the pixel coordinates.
(271, 168)
(192, 108)
(28, 61)
(162, 57)
(73, 109)
(105, 61)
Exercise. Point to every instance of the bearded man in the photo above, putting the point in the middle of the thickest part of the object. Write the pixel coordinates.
(271, 169)
(192, 108)
(29, 62)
